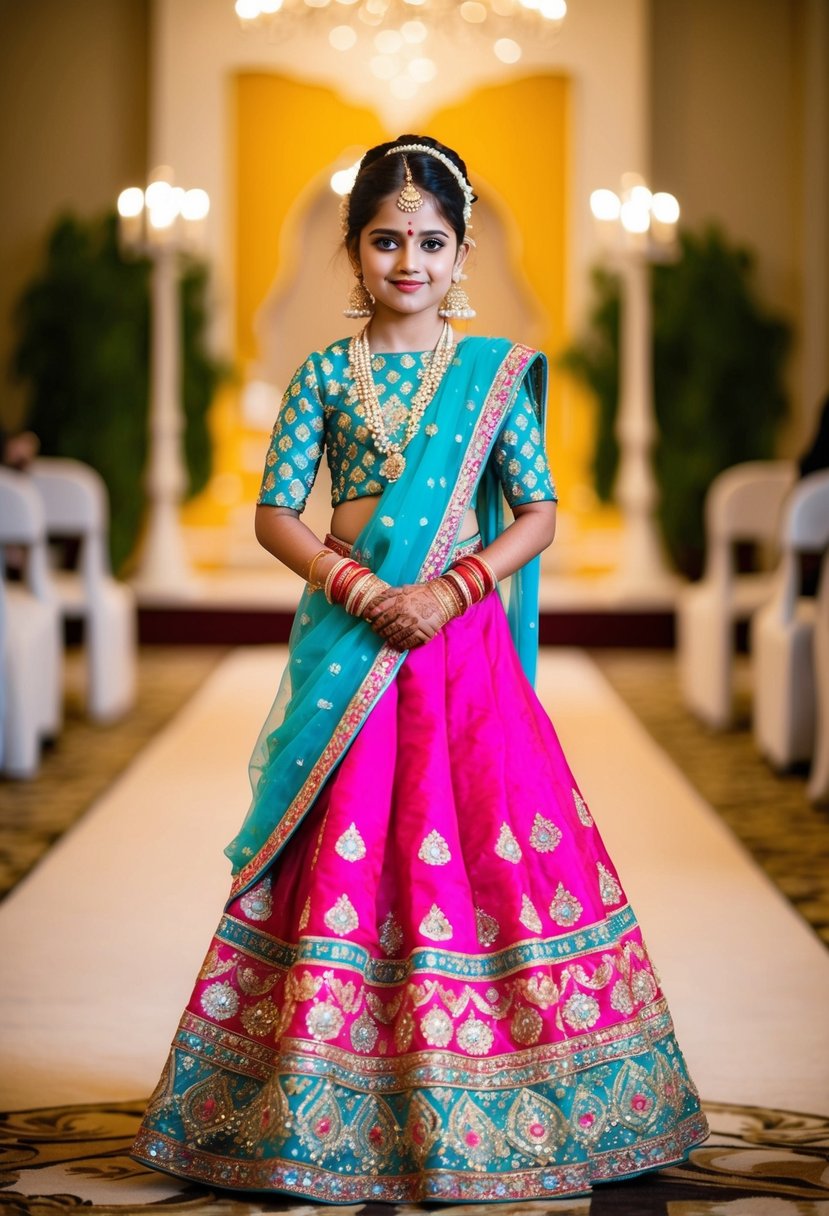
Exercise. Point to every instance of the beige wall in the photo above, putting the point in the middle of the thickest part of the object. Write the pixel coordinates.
(73, 129)
(739, 95)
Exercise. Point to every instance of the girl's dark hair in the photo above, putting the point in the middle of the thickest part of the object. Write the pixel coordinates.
(380, 175)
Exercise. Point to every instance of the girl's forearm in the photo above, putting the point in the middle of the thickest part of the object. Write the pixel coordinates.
(282, 532)
(530, 533)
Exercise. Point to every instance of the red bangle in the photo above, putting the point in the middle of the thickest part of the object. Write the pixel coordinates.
(480, 571)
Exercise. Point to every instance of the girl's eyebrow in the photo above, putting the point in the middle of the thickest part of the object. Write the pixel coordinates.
(400, 232)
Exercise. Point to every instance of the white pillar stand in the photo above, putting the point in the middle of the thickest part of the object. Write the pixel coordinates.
(642, 570)
(163, 568)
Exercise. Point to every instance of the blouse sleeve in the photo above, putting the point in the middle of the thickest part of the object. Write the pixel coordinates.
(296, 443)
(519, 456)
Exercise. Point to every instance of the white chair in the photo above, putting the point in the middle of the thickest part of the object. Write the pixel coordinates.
(783, 634)
(743, 504)
(32, 657)
(818, 788)
(75, 500)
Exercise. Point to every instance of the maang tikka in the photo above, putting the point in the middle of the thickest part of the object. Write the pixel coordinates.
(409, 199)
(360, 301)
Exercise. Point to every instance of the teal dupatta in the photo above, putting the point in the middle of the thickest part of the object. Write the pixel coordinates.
(338, 667)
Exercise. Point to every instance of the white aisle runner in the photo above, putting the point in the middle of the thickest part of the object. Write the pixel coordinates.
(100, 946)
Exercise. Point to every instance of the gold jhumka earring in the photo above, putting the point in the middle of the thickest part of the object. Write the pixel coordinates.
(456, 302)
(360, 301)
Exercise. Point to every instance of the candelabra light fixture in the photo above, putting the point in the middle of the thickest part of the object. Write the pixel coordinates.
(163, 222)
(394, 38)
(637, 228)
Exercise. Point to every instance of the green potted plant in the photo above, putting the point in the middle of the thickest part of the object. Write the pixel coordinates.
(718, 361)
(83, 350)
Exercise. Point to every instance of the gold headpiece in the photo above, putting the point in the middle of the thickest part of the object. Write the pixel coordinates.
(410, 199)
(465, 188)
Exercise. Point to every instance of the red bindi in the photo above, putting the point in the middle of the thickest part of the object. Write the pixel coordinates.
(410, 231)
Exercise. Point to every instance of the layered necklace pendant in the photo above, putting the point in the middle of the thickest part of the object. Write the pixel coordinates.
(359, 359)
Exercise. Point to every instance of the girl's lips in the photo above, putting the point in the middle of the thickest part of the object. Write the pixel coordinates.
(403, 285)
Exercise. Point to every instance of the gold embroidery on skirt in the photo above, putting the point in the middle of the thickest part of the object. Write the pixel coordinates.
(435, 925)
(434, 850)
(507, 846)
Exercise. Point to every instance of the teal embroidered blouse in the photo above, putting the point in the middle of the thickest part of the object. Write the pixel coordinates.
(321, 410)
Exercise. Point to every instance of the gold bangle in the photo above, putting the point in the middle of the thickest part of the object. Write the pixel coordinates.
(446, 601)
(439, 602)
(456, 580)
(314, 560)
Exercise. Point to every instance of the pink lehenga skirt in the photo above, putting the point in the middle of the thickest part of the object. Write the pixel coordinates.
(439, 991)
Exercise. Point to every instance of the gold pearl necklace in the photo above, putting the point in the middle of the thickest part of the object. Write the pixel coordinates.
(359, 361)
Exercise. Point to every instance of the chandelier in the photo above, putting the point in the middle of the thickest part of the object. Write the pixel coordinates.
(396, 39)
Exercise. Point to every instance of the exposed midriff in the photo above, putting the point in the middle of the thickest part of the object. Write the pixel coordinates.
(349, 519)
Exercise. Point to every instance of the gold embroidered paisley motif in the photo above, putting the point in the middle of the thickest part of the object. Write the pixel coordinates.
(565, 909)
(319, 1123)
(507, 846)
(422, 1129)
(363, 1033)
(544, 835)
(487, 927)
(581, 810)
(435, 925)
(473, 1135)
(589, 1116)
(391, 936)
(257, 903)
(609, 889)
(529, 916)
(535, 1126)
(351, 846)
(643, 986)
(342, 917)
(373, 1132)
(434, 850)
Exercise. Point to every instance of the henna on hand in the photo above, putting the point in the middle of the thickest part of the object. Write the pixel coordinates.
(408, 616)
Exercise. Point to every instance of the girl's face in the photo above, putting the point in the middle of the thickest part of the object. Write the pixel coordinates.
(407, 259)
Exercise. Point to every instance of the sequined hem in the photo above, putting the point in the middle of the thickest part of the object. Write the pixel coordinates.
(312, 1180)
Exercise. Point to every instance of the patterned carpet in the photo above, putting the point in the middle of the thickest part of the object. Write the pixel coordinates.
(758, 1162)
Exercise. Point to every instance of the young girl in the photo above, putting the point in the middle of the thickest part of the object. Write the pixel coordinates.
(428, 983)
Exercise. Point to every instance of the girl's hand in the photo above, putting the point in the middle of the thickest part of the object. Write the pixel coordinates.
(406, 617)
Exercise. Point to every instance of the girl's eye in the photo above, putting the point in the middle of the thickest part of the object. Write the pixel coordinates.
(432, 243)
(384, 242)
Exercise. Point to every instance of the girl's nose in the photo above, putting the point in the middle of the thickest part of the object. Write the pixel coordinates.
(408, 256)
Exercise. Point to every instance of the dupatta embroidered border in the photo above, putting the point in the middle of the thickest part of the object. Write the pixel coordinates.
(510, 373)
